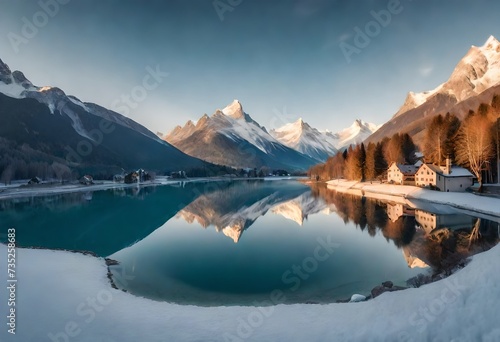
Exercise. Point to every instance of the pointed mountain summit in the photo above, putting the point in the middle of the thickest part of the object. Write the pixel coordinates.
(234, 110)
(300, 136)
(4, 68)
(474, 80)
(354, 134)
(55, 127)
(477, 71)
(231, 137)
(297, 126)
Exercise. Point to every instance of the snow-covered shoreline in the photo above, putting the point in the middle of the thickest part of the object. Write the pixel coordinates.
(60, 292)
(404, 194)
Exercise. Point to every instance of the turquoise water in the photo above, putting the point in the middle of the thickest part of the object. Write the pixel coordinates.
(247, 242)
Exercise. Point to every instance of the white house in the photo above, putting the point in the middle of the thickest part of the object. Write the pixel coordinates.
(444, 178)
(401, 174)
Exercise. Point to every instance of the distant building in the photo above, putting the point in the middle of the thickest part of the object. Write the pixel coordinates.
(118, 178)
(132, 177)
(444, 178)
(34, 180)
(87, 180)
(178, 174)
(402, 174)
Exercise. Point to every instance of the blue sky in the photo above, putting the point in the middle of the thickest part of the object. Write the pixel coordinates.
(281, 59)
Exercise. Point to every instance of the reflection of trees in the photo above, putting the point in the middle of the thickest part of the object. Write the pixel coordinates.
(112, 220)
(55, 202)
(363, 212)
(441, 248)
(401, 231)
(445, 248)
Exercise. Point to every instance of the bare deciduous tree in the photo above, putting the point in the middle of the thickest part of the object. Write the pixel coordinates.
(475, 145)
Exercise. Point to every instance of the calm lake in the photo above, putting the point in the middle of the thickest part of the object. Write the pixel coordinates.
(249, 242)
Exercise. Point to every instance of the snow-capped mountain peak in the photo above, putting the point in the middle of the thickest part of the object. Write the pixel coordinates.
(477, 71)
(360, 125)
(234, 110)
(45, 88)
(14, 84)
(321, 144)
(300, 136)
(354, 134)
(492, 44)
(236, 140)
(296, 126)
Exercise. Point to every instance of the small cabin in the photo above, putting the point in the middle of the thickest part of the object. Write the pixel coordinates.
(34, 180)
(402, 174)
(87, 180)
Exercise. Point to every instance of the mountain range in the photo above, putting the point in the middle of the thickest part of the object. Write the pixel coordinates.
(44, 125)
(474, 80)
(231, 137)
(93, 139)
(300, 136)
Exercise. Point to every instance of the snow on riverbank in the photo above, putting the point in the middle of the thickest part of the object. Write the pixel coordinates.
(405, 193)
(63, 296)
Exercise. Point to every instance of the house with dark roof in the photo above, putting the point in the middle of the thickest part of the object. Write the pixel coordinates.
(444, 178)
(401, 174)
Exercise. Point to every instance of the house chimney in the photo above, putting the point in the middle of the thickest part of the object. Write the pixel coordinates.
(447, 171)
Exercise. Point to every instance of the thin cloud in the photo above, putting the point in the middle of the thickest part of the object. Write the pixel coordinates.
(425, 71)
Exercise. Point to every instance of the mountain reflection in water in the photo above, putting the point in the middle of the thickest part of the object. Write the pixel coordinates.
(272, 226)
(233, 242)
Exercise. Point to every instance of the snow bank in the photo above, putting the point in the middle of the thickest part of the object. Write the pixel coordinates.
(405, 193)
(62, 293)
